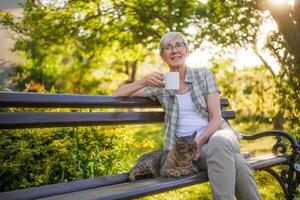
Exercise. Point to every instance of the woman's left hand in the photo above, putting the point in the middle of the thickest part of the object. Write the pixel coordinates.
(198, 155)
(200, 142)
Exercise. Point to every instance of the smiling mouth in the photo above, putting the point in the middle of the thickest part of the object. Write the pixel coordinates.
(176, 58)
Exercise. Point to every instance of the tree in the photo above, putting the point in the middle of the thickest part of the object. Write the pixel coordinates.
(66, 46)
(287, 18)
(80, 37)
(284, 46)
(225, 27)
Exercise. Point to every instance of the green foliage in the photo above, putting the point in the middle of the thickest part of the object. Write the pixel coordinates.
(33, 157)
(64, 46)
(69, 45)
(249, 91)
(149, 137)
(148, 20)
(288, 82)
(229, 23)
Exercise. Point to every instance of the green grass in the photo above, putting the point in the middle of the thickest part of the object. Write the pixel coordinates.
(201, 191)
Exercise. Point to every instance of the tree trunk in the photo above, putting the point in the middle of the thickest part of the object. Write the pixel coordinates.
(131, 67)
(278, 121)
(133, 70)
(287, 25)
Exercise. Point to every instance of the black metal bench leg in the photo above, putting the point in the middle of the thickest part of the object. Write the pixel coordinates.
(288, 180)
(280, 181)
(293, 175)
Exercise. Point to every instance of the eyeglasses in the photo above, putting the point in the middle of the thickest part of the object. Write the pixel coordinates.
(179, 46)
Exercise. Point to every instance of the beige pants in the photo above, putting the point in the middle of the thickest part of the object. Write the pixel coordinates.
(229, 173)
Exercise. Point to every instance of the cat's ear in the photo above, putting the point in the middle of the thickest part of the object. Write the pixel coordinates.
(194, 135)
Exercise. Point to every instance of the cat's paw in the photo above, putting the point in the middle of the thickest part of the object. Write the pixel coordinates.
(131, 177)
(173, 173)
(190, 171)
(186, 172)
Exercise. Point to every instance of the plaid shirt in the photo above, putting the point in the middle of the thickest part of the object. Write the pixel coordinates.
(200, 83)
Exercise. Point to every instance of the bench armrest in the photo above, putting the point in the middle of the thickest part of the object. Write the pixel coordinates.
(279, 146)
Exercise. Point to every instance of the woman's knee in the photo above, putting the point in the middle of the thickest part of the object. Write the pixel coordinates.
(223, 141)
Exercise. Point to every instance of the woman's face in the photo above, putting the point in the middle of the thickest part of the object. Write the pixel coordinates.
(174, 53)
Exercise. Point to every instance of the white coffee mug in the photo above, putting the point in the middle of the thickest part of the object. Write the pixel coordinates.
(171, 80)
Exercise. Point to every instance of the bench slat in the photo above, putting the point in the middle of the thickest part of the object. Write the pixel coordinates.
(137, 189)
(153, 186)
(40, 100)
(269, 160)
(115, 187)
(61, 188)
(64, 119)
(60, 119)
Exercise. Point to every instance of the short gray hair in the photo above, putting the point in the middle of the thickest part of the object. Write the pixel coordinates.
(171, 36)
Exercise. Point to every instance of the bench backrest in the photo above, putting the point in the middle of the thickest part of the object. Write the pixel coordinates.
(29, 119)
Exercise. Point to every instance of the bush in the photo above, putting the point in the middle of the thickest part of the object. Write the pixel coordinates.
(34, 157)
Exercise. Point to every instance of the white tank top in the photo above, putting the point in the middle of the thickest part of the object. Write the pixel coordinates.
(189, 120)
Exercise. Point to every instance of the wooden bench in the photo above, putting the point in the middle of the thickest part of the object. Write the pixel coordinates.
(285, 150)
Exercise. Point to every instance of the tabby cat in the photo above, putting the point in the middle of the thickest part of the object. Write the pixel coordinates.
(168, 163)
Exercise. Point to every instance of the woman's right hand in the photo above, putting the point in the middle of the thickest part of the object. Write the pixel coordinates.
(136, 88)
(155, 80)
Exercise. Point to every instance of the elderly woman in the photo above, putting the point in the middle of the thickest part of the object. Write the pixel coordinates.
(195, 106)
